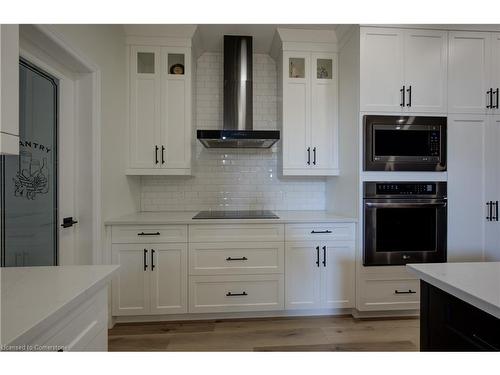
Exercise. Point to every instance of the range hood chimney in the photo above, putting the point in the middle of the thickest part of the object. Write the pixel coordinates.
(237, 131)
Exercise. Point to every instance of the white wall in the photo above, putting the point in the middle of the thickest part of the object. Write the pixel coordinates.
(233, 178)
(104, 45)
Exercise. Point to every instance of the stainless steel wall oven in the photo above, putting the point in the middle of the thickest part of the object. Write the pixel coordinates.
(404, 222)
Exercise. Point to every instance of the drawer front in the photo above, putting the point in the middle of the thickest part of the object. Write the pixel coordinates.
(149, 233)
(236, 232)
(320, 232)
(390, 295)
(232, 258)
(236, 293)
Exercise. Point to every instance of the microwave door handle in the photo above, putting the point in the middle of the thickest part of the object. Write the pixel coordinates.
(405, 205)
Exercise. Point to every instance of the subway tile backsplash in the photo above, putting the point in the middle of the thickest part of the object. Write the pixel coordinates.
(233, 179)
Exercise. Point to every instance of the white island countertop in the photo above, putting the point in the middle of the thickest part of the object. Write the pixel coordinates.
(34, 298)
(477, 283)
(186, 217)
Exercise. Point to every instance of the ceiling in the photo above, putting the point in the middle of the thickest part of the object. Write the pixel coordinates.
(211, 34)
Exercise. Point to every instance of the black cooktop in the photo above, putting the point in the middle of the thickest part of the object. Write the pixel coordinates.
(244, 214)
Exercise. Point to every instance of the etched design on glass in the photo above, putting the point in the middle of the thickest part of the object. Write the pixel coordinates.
(32, 177)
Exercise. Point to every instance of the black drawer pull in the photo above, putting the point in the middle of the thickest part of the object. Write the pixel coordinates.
(148, 234)
(229, 294)
(409, 291)
(321, 231)
(242, 258)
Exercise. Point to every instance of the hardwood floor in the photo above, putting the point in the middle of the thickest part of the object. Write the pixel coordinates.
(342, 333)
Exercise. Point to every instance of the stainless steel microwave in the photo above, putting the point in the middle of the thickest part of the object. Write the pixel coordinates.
(404, 143)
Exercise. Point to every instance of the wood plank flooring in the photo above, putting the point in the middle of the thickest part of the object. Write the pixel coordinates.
(326, 333)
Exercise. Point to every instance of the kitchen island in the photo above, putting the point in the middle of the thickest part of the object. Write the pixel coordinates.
(62, 308)
(460, 306)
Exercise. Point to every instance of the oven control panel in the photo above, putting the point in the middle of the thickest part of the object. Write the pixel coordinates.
(406, 189)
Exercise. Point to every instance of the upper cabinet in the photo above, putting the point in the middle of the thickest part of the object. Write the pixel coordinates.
(474, 72)
(403, 70)
(9, 86)
(308, 82)
(160, 110)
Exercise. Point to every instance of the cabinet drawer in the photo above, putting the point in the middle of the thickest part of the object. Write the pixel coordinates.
(320, 231)
(223, 258)
(235, 293)
(148, 233)
(390, 295)
(236, 232)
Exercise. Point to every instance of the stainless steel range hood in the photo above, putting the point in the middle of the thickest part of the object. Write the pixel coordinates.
(237, 128)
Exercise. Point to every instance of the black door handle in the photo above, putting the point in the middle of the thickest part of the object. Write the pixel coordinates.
(230, 259)
(402, 91)
(163, 154)
(496, 100)
(148, 234)
(229, 294)
(409, 96)
(309, 156)
(145, 259)
(317, 256)
(156, 154)
(324, 256)
(320, 231)
(152, 259)
(314, 157)
(489, 206)
(490, 94)
(409, 291)
(68, 222)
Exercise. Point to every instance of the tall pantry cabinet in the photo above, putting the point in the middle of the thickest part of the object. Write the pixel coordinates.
(160, 117)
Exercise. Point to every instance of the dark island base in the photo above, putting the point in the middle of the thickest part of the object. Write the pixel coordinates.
(450, 324)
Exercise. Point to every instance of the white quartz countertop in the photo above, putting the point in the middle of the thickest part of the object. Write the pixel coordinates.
(35, 298)
(186, 217)
(477, 283)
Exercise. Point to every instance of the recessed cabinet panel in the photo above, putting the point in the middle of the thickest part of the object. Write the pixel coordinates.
(338, 274)
(495, 71)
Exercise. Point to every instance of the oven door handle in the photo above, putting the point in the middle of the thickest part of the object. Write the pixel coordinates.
(405, 205)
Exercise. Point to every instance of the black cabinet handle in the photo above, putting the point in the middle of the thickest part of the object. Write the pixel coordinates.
(324, 256)
(309, 156)
(320, 231)
(496, 92)
(163, 154)
(317, 256)
(490, 94)
(230, 294)
(409, 96)
(489, 206)
(145, 259)
(230, 259)
(148, 234)
(409, 291)
(314, 157)
(496, 211)
(402, 91)
(156, 154)
(152, 259)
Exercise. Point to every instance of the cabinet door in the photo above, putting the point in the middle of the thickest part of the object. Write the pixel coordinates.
(302, 275)
(176, 109)
(131, 285)
(469, 76)
(337, 274)
(425, 66)
(466, 213)
(296, 112)
(381, 69)
(495, 70)
(492, 188)
(324, 110)
(145, 99)
(169, 278)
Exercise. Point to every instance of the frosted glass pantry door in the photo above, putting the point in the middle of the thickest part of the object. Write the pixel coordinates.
(29, 180)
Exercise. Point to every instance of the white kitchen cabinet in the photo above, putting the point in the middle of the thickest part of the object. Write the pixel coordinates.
(495, 72)
(466, 199)
(403, 70)
(310, 111)
(160, 110)
(492, 190)
(152, 279)
(469, 72)
(9, 89)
